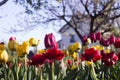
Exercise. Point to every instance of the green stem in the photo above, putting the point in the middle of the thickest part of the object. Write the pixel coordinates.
(93, 74)
(51, 77)
(25, 77)
(40, 68)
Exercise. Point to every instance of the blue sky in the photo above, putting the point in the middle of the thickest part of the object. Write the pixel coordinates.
(8, 19)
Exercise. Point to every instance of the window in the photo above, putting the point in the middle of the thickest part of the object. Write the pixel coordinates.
(72, 38)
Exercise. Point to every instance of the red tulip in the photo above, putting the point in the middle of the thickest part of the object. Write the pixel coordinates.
(2, 43)
(98, 36)
(92, 37)
(50, 41)
(91, 54)
(53, 54)
(84, 39)
(118, 55)
(109, 59)
(37, 59)
(117, 43)
(69, 62)
(112, 39)
(104, 42)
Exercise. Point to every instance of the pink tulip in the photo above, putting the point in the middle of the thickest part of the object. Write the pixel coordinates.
(50, 41)
(12, 38)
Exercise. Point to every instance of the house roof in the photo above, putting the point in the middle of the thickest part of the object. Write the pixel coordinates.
(64, 28)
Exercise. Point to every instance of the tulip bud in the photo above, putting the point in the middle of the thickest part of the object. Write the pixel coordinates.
(104, 42)
(98, 36)
(12, 44)
(50, 41)
(12, 38)
(3, 56)
(2, 46)
(112, 39)
(92, 37)
(33, 42)
(84, 39)
(117, 43)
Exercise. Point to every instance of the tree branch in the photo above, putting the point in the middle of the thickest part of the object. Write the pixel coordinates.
(3, 2)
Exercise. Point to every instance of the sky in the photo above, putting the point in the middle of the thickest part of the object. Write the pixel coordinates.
(8, 19)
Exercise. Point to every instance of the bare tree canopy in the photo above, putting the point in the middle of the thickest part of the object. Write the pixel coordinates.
(101, 14)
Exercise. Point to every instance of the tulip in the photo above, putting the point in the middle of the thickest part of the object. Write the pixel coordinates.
(105, 42)
(37, 59)
(69, 62)
(110, 59)
(65, 52)
(92, 37)
(91, 54)
(23, 49)
(75, 47)
(84, 39)
(112, 39)
(71, 49)
(3, 56)
(42, 51)
(2, 46)
(50, 41)
(117, 43)
(88, 41)
(52, 54)
(34, 42)
(98, 36)
(12, 44)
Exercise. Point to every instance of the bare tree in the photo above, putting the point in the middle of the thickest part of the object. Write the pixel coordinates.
(100, 13)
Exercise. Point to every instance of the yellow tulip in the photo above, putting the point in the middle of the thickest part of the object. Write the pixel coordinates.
(23, 49)
(12, 45)
(85, 47)
(34, 42)
(88, 63)
(98, 47)
(73, 67)
(42, 51)
(3, 56)
(88, 40)
(74, 55)
(65, 52)
(75, 47)
(107, 51)
(20, 51)
(71, 49)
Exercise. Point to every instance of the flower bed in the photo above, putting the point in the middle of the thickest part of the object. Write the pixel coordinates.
(96, 59)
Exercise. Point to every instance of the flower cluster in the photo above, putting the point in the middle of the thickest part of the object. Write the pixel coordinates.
(105, 48)
(97, 59)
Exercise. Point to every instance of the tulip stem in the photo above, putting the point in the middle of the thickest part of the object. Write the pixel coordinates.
(51, 75)
(40, 69)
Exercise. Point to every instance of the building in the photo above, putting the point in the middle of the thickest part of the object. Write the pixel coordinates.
(69, 36)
